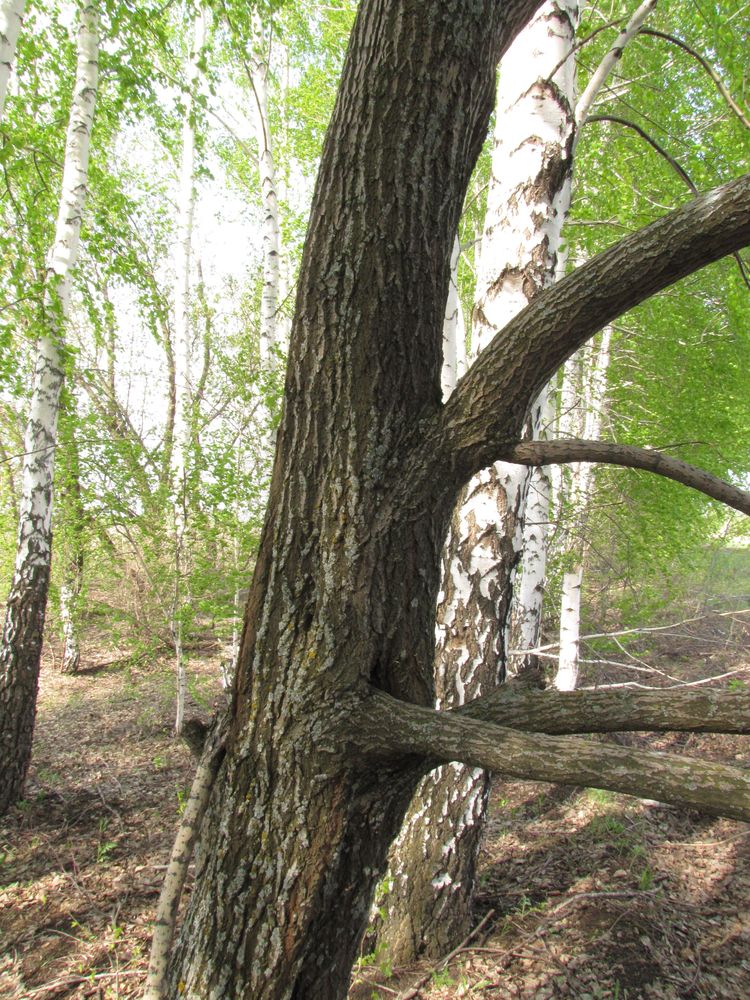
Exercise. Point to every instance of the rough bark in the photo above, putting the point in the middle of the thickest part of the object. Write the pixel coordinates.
(24, 617)
(560, 712)
(716, 789)
(11, 19)
(307, 800)
(632, 457)
(344, 590)
(494, 395)
(427, 908)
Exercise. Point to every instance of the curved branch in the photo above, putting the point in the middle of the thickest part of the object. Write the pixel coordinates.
(442, 737)
(706, 66)
(623, 710)
(681, 173)
(651, 141)
(489, 404)
(630, 456)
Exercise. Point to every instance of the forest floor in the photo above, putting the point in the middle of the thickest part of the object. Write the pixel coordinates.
(582, 894)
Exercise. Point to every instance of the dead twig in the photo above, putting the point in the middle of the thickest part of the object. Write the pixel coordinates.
(415, 990)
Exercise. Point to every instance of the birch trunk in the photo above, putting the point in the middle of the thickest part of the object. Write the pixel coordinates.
(72, 582)
(432, 864)
(529, 596)
(584, 392)
(11, 19)
(269, 303)
(24, 618)
(182, 355)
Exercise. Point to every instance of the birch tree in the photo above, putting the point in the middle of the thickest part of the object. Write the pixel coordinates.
(332, 722)
(429, 887)
(184, 388)
(11, 19)
(582, 400)
(24, 618)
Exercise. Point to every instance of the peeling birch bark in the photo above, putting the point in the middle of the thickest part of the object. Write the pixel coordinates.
(24, 618)
(530, 590)
(11, 19)
(432, 864)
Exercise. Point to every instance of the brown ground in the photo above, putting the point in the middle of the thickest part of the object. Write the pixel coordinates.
(586, 894)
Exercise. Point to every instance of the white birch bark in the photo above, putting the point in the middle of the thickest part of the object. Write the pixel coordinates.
(11, 19)
(584, 391)
(527, 204)
(433, 860)
(34, 536)
(269, 303)
(529, 596)
(454, 331)
(608, 63)
(24, 620)
(182, 356)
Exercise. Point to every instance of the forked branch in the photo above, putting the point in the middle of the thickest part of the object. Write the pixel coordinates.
(534, 453)
(441, 737)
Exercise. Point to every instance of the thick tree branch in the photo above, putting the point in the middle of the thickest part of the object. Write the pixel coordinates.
(535, 453)
(442, 737)
(623, 710)
(490, 402)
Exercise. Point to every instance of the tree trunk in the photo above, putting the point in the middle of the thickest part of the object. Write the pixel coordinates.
(269, 302)
(427, 907)
(11, 19)
(24, 617)
(331, 721)
(344, 591)
(583, 397)
(181, 359)
(528, 592)
(74, 514)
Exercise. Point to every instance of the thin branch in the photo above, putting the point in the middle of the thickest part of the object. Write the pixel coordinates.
(174, 880)
(533, 453)
(442, 737)
(651, 141)
(682, 174)
(610, 60)
(706, 66)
